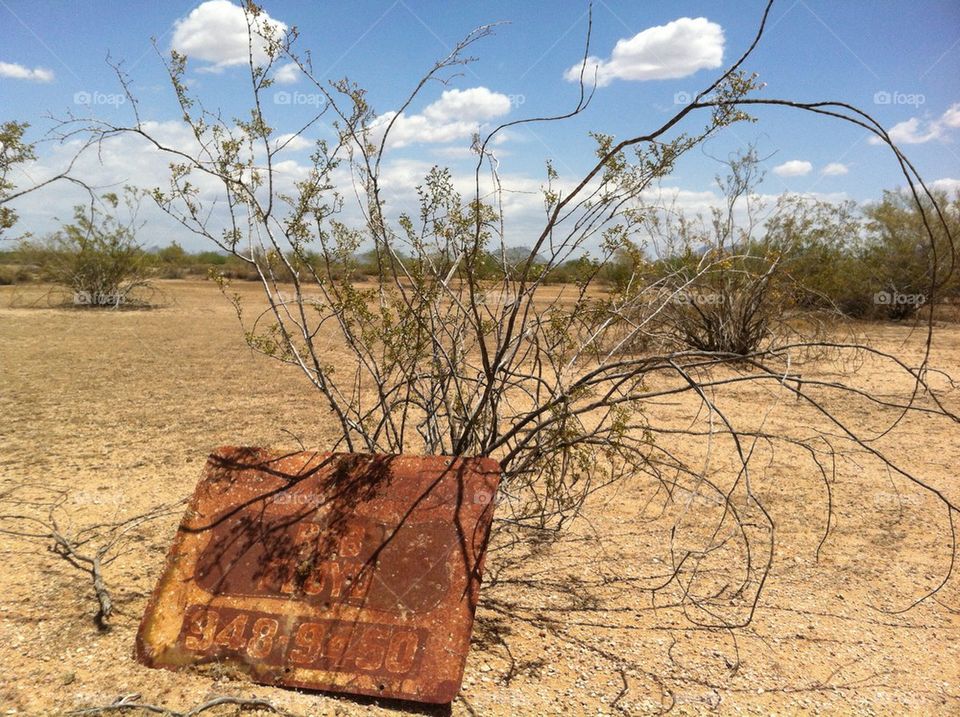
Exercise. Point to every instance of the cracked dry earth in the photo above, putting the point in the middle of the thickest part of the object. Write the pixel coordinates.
(120, 410)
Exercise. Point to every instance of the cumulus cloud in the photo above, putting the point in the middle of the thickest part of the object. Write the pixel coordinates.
(129, 159)
(793, 168)
(919, 131)
(951, 118)
(292, 142)
(677, 49)
(947, 184)
(835, 169)
(19, 72)
(913, 131)
(287, 74)
(457, 115)
(496, 147)
(216, 32)
(476, 103)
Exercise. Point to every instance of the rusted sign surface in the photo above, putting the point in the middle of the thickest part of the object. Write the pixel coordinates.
(343, 572)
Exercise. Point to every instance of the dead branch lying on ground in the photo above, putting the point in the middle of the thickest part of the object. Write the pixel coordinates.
(39, 514)
(131, 702)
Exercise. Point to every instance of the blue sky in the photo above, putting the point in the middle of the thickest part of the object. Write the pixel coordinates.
(898, 60)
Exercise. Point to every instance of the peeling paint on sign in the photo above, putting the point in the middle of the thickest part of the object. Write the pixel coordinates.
(344, 572)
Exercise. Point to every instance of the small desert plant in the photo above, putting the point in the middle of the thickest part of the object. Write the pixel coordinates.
(97, 256)
(819, 243)
(725, 289)
(13, 151)
(14, 273)
(900, 263)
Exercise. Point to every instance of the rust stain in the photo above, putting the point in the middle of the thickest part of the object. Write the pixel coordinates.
(344, 572)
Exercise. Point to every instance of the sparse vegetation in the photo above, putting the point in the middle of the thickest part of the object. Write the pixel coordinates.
(899, 261)
(709, 376)
(454, 348)
(13, 151)
(97, 256)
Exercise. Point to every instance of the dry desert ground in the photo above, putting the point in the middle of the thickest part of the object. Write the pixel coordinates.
(119, 410)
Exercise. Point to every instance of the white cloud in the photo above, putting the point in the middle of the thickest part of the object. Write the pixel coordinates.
(292, 142)
(912, 131)
(835, 169)
(129, 159)
(793, 168)
(457, 115)
(677, 49)
(947, 184)
(216, 32)
(918, 131)
(287, 74)
(476, 103)
(18, 72)
(951, 118)
(289, 171)
(455, 152)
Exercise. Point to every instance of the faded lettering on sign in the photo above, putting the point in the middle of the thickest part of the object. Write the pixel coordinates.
(342, 572)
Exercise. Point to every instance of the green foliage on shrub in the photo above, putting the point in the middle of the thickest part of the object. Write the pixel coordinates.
(13, 151)
(96, 256)
(897, 258)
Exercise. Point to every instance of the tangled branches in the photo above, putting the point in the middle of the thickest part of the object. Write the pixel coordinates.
(132, 702)
(458, 346)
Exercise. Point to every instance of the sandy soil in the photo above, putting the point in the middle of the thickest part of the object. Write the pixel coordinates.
(121, 408)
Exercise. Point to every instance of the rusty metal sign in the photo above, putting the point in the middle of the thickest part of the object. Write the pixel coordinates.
(343, 572)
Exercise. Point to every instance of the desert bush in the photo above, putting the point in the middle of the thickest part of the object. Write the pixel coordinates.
(13, 151)
(572, 271)
(819, 243)
(737, 282)
(456, 350)
(900, 267)
(169, 262)
(208, 258)
(97, 256)
(8, 275)
(173, 255)
(449, 292)
(621, 270)
(14, 268)
(725, 283)
(175, 262)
